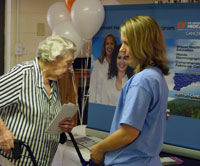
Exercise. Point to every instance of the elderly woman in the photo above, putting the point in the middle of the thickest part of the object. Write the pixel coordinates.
(30, 99)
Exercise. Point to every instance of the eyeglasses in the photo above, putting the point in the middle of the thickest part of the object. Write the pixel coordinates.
(70, 62)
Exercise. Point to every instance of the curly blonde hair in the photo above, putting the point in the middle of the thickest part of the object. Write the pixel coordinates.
(54, 46)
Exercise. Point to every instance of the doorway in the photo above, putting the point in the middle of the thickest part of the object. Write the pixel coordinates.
(2, 30)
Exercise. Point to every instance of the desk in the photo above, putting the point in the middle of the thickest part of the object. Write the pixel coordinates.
(187, 161)
(67, 155)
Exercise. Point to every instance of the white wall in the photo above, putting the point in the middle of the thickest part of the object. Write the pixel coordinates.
(22, 19)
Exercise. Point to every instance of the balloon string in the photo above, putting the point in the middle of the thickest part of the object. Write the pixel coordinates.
(76, 96)
(85, 96)
(82, 85)
(84, 82)
(82, 96)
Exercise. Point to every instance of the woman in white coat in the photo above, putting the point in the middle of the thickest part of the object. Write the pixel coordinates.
(119, 72)
(100, 68)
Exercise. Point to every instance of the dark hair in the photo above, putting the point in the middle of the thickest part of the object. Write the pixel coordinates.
(112, 70)
(103, 51)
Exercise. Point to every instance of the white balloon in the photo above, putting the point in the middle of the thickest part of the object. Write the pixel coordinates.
(57, 13)
(87, 16)
(67, 30)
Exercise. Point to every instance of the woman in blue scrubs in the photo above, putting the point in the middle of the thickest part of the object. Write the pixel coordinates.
(138, 127)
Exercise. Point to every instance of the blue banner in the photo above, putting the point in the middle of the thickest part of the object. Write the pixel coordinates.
(181, 27)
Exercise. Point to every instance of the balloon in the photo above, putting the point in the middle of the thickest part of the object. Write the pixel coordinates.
(67, 29)
(87, 16)
(69, 4)
(57, 13)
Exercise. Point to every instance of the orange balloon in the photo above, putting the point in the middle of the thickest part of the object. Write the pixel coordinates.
(69, 4)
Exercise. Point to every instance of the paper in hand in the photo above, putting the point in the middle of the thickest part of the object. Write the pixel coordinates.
(67, 110)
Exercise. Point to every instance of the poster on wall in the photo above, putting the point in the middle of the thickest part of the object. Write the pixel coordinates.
(184, 78)
(181, 28)
(181, 32)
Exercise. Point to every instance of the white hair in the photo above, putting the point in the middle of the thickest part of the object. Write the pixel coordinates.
(53, 47)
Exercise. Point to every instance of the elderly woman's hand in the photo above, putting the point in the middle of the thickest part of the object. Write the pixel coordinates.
(6, 139)
(66, 124)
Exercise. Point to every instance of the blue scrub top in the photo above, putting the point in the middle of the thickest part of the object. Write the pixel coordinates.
(142, 105)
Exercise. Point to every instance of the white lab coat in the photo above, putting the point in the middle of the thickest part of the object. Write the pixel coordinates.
(110, 94)
(99, 73)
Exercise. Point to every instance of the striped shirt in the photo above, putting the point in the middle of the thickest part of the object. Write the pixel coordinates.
(27, 110)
